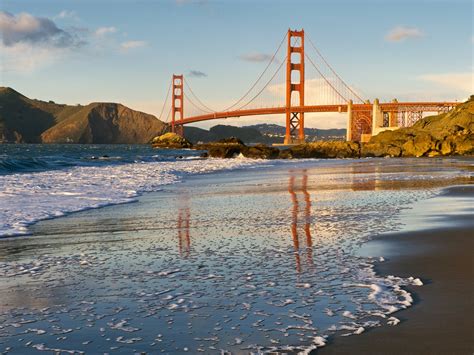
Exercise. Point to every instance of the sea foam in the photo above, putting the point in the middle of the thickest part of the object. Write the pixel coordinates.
(30, 197)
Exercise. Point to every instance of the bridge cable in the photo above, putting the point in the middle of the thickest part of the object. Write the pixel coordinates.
(166, 100)
(260, 77)
(327, 81)
(333, 71)
(168, 115)
(195, 105)
(265, 86)
(297, 40)
(207, 109)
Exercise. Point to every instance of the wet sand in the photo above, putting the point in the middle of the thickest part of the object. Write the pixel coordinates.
(441, 320)
(222, 261)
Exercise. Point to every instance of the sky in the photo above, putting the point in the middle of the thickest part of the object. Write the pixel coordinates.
(81, 51)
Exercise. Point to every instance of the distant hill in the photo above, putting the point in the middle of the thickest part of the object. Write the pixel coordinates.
(245, 134)
(261, 133)
(274, 131)
(25, 120)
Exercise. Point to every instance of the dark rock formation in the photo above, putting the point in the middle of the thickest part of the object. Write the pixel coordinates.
(335, 149)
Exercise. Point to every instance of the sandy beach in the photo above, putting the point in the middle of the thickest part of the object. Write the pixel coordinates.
(440, 321)
(266, 258)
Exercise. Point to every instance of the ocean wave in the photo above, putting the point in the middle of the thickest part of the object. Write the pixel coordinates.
(31, 197)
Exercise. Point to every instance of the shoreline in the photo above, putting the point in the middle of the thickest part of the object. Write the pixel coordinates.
(124, 225)
(440, 320)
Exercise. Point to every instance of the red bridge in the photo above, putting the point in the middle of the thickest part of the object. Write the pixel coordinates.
(324, 91)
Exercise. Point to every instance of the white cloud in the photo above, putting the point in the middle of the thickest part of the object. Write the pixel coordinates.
(66, 14)
(26, 28)
(29, 42)
(460, 83)
(25, 58)
(125, 46)
(103, 31)
(401, 33)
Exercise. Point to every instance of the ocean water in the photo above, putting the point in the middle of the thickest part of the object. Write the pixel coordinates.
(45, 181)
(254, 257)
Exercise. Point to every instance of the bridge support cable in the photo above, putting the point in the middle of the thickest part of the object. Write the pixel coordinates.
(272, 60)
(326, 79)
(199, 109)
(264, 87)
(356, 96)
(164, 103)
(204, 108)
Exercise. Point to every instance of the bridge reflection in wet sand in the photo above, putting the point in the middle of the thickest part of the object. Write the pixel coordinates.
(293, 189)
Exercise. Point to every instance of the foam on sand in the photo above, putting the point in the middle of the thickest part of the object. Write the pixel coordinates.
(30, 197)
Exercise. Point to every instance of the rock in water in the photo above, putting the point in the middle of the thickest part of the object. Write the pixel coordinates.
(323, 149)
(171, 140)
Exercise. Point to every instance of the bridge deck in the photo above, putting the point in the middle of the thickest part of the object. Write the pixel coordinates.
(386, 107)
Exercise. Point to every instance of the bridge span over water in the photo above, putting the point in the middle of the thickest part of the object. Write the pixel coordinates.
(313, 89)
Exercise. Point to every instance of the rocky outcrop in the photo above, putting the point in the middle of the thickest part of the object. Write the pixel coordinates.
(233, 147)
(451, 133)
(334, 149)
(170, 140)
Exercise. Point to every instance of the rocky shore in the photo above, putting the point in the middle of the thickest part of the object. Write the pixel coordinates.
(447, 134)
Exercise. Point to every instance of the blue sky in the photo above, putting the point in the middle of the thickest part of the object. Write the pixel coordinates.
(79, 51)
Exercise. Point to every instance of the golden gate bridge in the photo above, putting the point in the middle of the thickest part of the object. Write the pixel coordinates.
(304, 89)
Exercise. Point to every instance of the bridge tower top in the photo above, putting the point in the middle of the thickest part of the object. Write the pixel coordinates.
(177, 107)
(294, 120)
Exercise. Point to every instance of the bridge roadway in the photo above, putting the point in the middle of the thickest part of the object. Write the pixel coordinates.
(385, 107)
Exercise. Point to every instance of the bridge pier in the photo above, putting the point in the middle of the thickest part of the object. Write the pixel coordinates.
(350, 121)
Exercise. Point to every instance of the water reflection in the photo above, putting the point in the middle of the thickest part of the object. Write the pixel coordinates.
(293, 187)
(184, 214)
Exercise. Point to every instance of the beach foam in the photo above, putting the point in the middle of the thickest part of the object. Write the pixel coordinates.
(31, 197)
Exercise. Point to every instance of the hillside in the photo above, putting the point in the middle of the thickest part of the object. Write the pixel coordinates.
(261, 133)
(446, 134)
(24, 120)
(277, 132)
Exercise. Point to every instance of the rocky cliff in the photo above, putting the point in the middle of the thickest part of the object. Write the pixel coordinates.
(24, 120)
(451, 133)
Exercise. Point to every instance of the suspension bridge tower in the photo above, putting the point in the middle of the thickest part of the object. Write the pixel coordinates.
(177, 107)
(295, 64)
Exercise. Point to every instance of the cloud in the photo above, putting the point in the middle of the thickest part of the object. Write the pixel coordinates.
(24, 58)
(66, 14)
(401, 33)
(29, 42)
(461, 83)
(26, 28)
(126, 46)
(196, 74)
(256, 57)
(103, 31)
